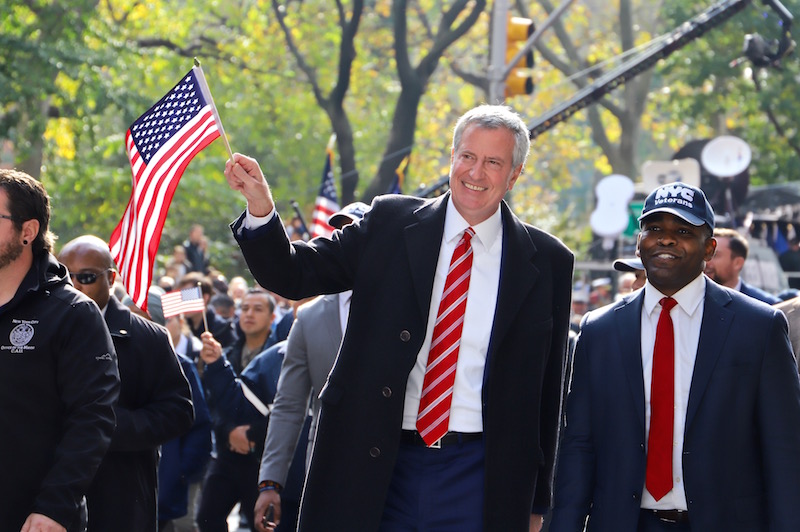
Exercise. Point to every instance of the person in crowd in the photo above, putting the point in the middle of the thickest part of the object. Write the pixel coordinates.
(224, 306)
(183, 459)
(240, 419)
(178, 264)
(684, 408)
(310, 352)
(196, 250)
(493, 421)
(580, 306)
(790, 262)
(155, 401)
(631, 265)
(237, 288)
(726, 265)
(223, 330)
(255, 322)
(58, 372)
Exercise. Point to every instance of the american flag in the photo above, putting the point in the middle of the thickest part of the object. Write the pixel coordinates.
(327, 200)
(160, 144)
(180, 301)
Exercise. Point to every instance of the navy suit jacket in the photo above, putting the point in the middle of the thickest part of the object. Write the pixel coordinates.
(741, 454)
(388, 259)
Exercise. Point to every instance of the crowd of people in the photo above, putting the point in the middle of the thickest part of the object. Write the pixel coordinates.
(430, 366)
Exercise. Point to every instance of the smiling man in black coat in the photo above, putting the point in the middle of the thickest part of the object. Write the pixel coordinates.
(370, 469)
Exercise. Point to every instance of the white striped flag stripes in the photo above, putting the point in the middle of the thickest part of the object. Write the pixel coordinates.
(180, 301)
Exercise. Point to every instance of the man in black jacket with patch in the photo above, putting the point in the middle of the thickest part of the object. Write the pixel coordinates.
(58, 372)
(155, 403)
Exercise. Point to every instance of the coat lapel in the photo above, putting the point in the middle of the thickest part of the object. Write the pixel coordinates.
(714, 329)
(423, 239)
(628, 320)
(517, 275)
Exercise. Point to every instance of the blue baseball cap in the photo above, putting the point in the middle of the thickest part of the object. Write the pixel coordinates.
(681, 199)
(349, 213)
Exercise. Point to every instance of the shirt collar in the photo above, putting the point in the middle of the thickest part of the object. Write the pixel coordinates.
(486, 232)
(688, 297)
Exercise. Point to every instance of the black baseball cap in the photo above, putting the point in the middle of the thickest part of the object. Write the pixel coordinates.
(681, 199)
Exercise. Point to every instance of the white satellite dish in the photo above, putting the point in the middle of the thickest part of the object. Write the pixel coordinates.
(610, 218)
(726, 156)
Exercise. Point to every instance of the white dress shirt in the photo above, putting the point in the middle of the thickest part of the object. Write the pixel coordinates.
(487, 244)
(686, 319)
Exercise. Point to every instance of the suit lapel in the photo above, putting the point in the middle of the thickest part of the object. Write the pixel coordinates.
(714, 329)
(423, 240)
(628, 320)
(517, 275)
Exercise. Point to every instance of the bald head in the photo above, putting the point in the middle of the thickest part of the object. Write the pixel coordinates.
(90, 266)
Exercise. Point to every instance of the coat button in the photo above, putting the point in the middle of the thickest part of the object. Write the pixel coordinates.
(374, 452)
(386, 392)
(405, 335)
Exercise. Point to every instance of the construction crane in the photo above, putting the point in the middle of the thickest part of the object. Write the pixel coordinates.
(760, 51)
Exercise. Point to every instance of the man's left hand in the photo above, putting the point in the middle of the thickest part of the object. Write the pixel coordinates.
(537, 520)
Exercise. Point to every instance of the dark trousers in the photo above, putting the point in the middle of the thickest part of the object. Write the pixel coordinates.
(650, 523)
(230, 479)
(436, 490)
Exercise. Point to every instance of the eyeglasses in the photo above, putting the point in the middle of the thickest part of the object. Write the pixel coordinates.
(87, 277)
(7, 217)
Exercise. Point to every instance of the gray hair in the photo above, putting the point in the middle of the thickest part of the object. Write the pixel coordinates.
(494, 117)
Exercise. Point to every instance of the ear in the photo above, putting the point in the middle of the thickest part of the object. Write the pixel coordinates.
(30, 230)
(711, 249)
(112, 276)
(738, 263)
(514, 176)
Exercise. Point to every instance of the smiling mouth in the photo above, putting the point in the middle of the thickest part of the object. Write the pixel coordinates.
(476, 188)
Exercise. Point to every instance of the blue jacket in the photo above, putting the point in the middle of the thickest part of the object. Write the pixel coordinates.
(183, 459)
(229, 404)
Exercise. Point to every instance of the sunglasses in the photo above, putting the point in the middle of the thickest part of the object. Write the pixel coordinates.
(87, 277)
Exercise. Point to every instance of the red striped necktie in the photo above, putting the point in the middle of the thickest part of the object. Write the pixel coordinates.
(440, 374)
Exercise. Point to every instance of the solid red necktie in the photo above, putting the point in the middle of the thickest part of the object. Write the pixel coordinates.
(662, 406)
(440, 373)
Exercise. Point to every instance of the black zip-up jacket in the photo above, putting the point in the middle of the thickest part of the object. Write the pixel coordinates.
(155, 406)
(59, 383)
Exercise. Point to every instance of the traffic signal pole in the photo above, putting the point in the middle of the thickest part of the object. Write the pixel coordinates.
(499, 70)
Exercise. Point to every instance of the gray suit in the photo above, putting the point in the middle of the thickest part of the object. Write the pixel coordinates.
(311, 349)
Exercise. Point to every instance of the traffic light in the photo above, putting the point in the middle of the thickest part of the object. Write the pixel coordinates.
(519, 80)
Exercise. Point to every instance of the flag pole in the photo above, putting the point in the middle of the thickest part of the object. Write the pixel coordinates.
(205, 319)
(201, 79)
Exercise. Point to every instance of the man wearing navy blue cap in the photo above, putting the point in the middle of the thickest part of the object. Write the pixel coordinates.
(688, 420)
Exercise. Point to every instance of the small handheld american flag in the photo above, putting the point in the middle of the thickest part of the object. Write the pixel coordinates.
(180, 301)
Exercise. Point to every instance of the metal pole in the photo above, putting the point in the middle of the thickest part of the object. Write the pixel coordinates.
(497, 52)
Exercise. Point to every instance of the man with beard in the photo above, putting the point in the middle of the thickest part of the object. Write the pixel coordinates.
(58, 372)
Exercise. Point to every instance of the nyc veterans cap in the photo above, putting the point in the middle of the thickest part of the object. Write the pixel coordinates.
(683, 200)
